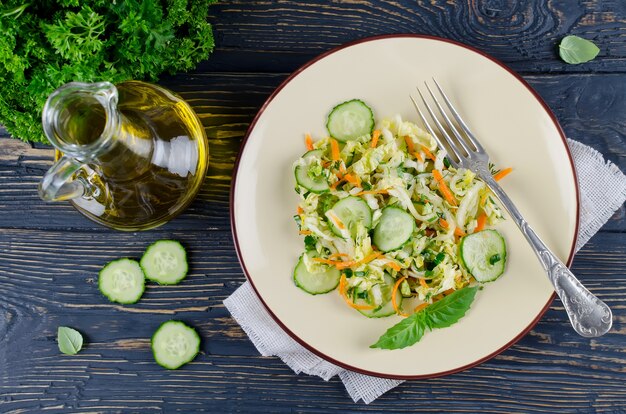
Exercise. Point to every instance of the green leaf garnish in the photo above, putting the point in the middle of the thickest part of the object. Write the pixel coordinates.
(70, 340)
(575, 50)
(440, 314)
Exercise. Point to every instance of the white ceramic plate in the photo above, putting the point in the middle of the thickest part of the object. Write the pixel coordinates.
(515, 127)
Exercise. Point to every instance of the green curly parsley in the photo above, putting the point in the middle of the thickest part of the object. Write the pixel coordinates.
(45, 44)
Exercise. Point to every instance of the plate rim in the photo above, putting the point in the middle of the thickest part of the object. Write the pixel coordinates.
(301, 69)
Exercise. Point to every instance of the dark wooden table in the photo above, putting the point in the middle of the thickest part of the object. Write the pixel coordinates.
(50, 254)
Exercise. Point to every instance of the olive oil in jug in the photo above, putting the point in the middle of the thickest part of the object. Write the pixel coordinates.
(130, 156)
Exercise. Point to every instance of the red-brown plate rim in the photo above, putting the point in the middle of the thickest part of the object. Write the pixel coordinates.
(234, 225)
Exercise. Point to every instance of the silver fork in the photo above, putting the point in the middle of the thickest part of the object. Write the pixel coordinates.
(589, 316)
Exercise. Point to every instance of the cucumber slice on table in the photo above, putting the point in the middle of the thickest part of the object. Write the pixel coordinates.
(315, 283)
(386, 309)
(394, 229)
(303, 178)
(351, 210)
(350, 120)
(165, 262)
(484, 254)
(122, 281)
(174, 344)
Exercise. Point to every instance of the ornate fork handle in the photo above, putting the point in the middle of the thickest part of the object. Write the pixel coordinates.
(589, 316)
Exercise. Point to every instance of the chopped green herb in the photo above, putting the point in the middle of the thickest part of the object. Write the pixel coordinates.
(494, 259)
(310, 242)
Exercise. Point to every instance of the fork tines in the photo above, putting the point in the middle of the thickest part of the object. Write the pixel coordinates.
(456, 139)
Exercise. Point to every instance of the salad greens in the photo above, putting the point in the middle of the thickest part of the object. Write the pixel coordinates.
(574, 50)
(70, 340)
(47, 44)
(384, 219)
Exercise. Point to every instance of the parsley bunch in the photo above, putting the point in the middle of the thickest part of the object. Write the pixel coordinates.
(47, 43)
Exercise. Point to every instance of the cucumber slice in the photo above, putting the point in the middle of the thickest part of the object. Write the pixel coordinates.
(350, 120)
(122, 281)
(484, 254)
(304, 179)
(315, 283)
(394, 229)
(165, 262)
(174, 344)
(387, 308)
(350, 210)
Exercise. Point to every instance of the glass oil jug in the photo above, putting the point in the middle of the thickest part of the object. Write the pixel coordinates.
(130, 156)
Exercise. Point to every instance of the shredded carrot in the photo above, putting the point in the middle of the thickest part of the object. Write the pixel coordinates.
(420, 307)
(305, 232)
(353, 179)
(418, 156)
(393, 296)
(447, 292)
(336, 221)
(308, 141)
(395, 266)
(326, 164)
(409, 144)
(370, 257)
(327, 261)
(423, 283)
(459, 232)
(342, 292)
(334, 149)
(375, 136)
(300, 210)
(337, 255)
(438, 297)
(480, 222)
(500, 175)
(345, 265)
(443, 188)
(443, 223)
(336, 183)
(428, 153)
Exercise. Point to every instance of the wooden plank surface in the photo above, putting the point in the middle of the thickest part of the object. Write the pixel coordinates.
(50, 255)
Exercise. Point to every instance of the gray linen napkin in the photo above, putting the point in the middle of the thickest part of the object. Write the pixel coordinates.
(602, 192)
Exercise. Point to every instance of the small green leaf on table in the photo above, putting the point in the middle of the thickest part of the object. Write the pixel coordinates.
(440, 314)
(574, 50)
(70, 340)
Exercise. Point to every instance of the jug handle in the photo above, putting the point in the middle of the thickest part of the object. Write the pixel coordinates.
(58, 185)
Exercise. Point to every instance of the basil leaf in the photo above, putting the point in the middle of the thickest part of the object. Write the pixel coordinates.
(450, 309)
(70, 340)
(403, 334)
(440, 314)
(574, 50)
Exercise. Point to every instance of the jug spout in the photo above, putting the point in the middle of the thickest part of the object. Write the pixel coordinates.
(79, 119)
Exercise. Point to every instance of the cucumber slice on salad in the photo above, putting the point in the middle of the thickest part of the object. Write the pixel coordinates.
(386, 308)
(484, 254)
(351, 210)
(122, 281)
(394, 229)
(174, 344)
(350, 120)
(165, 262)
(315, 283)
(305, 177)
